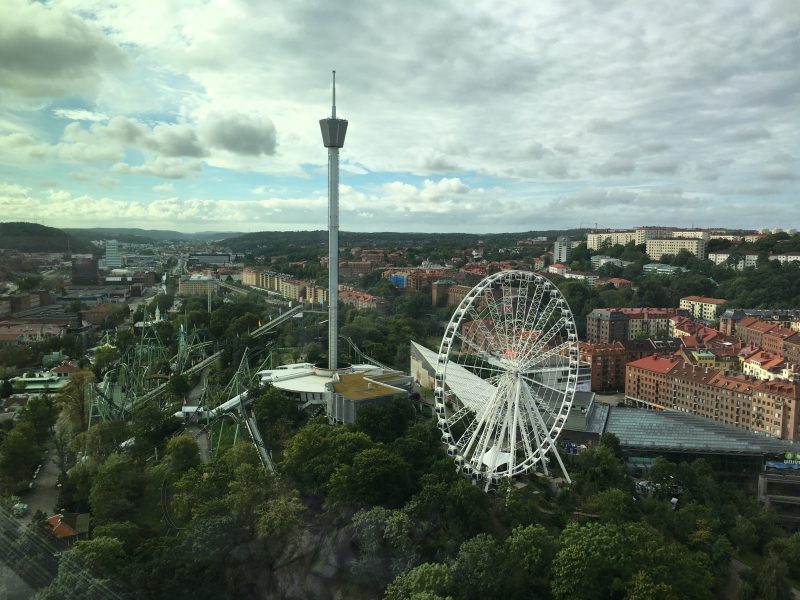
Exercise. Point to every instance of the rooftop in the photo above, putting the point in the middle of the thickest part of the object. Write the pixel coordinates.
(656, 364)
(678, 431)
(704, 300)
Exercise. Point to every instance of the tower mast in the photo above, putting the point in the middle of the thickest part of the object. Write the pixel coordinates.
(333, 133)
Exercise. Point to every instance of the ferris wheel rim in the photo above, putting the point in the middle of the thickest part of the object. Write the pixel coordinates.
(540, 437)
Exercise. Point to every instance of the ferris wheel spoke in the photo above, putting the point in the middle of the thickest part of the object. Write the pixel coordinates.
(541, 356)
(544, 339)
(489, 337)
(537, 321)
(484, 420)
(542, 399)
(498, 323)
(521, 309)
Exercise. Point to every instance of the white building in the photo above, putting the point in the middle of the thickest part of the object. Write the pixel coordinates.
(113, 257)
(658, 247)
(746, 260)
(562, 249)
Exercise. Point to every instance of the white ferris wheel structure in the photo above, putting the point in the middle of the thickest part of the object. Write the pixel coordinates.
(506, 375)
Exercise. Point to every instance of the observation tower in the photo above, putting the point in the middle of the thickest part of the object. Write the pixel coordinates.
(333, 132)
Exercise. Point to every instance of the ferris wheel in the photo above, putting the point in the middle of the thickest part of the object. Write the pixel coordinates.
(506, 375)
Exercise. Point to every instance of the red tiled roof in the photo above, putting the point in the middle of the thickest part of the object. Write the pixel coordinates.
(656, 364)
(704, 299)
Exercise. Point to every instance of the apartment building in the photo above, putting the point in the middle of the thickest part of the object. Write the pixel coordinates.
(596, 239)
(646, 380)
(606, 325)
(768, 407)
(562, 249)
(743, 261)
(701, 307)
(658, 247)
(606, 364)
(197, 285)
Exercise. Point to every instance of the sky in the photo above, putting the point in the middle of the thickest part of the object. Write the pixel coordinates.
(463, 116)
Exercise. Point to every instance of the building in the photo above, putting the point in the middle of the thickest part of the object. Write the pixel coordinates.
(751, 330)
(743, 261)
(562, 249)
(84, 270)
(764, 365)
(113, 257)
(349, 393)
(209, 259)
(362, 300)
(589, 279)
(701, 307)
(606, 365)
(646, 380)
(609, 237)
(786, 258)
(662, 269)
(355, 268)
(658, 247)
(197, 285)
(729, 320)
(606, 325)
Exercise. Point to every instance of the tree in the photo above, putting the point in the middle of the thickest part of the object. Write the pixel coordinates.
(116, 488)
(105, 357)
(317, 450)
(613, 506)
(182, 453)
(377, 476)
(385, 546)
(603, 560)
(40, 414)
(480, 570)
(427, 578)
(530, 551)
(385, 422)
(19, 454)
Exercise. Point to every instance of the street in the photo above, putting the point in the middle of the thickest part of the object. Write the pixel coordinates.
(44, 494)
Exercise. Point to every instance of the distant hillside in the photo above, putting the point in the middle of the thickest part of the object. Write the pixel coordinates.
(30, 237)
(269, 241)
(144, 236)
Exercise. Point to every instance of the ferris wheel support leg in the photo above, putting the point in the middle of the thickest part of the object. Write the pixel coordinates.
(561, 464)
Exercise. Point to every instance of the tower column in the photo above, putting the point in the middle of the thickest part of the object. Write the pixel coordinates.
(333, 133)
(333, 257)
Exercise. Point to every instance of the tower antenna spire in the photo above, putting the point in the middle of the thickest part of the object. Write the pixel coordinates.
(333, 104)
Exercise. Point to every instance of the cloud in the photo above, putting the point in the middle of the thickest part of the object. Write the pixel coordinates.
(778, 172)
(616, 165)
(243, 134)
(438, 163)
(164, 188)
(748, 133)
(49, 52)
(664, 166)
(79, 115)
(165, 168)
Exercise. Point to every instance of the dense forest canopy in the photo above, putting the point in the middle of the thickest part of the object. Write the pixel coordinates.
(31, 237)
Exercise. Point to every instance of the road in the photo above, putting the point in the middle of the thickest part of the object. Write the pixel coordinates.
(44, 494)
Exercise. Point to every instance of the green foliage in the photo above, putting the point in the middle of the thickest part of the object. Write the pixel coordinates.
(386, 548)
(385, 422)
(433, 579)
(19, 454)
(317, 450)
(600, 561)
(377, 476)
(116, 489)
(182, 453)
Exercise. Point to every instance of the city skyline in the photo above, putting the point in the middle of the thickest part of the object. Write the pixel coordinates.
(497, 118)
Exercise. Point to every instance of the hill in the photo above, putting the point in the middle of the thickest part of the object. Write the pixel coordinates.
(134, 235)
(268, 241)
(31, 237)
